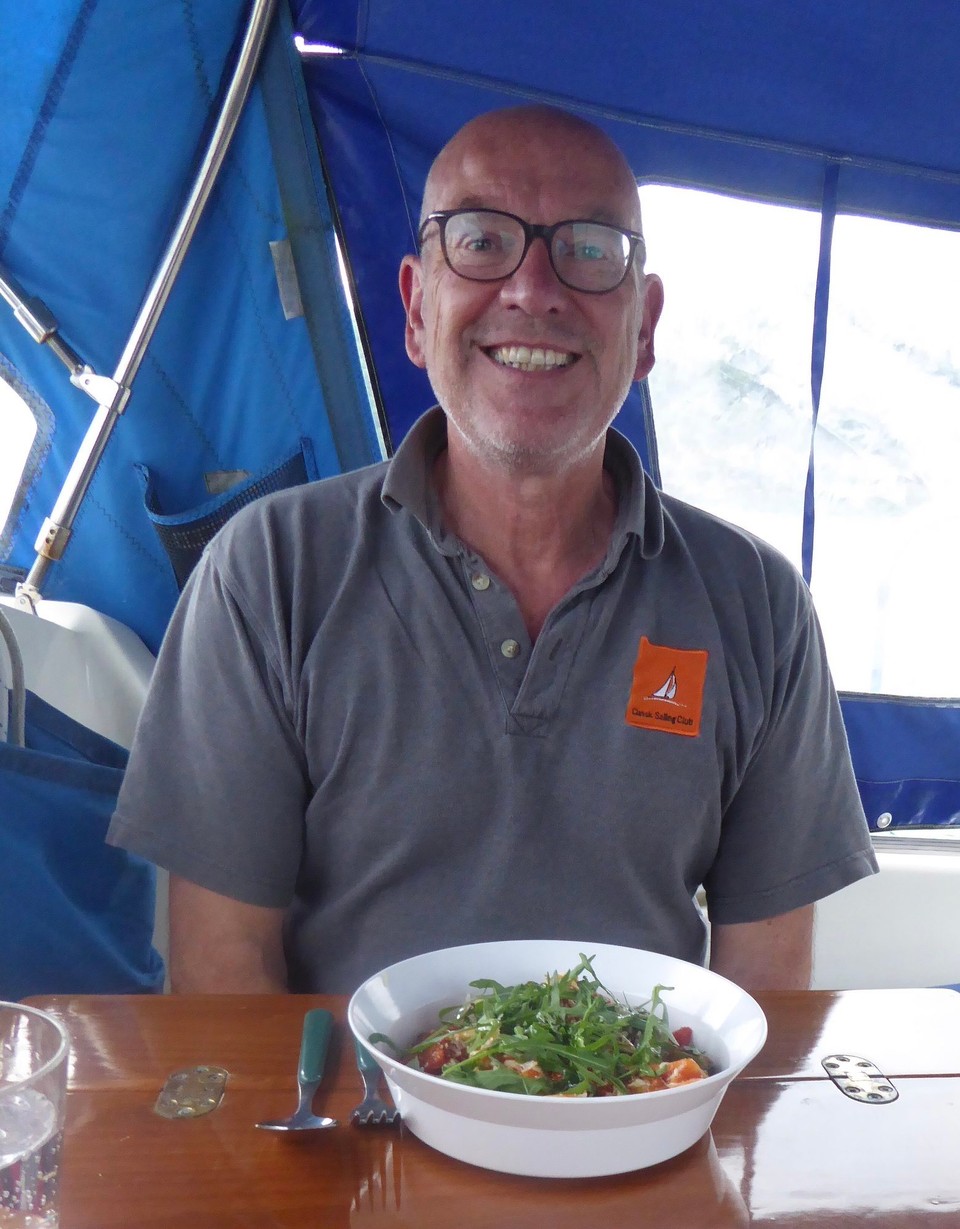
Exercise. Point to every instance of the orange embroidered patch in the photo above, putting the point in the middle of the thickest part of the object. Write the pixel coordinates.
(667, 691)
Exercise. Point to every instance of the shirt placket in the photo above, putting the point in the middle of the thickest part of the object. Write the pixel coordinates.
(531, 677)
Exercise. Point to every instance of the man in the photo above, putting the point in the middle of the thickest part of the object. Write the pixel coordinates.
(500, 687)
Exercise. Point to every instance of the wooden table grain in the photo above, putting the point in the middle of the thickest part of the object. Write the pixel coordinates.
(786, 1147)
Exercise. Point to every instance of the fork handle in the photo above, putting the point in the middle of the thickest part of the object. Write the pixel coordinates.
(365, 1060)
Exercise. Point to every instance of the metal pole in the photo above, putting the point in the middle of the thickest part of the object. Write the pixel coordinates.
(112, 394)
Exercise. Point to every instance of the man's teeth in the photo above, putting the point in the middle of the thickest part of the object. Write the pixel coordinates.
(525, 358)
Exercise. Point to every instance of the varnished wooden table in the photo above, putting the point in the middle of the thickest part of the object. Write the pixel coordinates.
(786, 1147)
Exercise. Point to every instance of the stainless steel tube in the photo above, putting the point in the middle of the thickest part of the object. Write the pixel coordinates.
(53, 537)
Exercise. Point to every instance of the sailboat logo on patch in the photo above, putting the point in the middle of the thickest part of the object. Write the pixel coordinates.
(667, 689)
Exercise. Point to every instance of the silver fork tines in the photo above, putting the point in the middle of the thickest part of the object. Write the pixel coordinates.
(372, 1111)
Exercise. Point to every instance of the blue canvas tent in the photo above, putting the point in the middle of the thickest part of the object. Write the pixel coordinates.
(261, 370)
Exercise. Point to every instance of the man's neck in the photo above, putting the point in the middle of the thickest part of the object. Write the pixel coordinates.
(539, 533)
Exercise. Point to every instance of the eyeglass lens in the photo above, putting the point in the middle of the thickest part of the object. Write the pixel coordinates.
(484, 245)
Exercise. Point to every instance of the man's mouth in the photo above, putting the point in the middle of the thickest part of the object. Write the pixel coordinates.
(531, 358)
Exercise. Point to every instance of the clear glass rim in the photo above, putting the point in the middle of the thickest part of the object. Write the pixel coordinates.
(63, 1049)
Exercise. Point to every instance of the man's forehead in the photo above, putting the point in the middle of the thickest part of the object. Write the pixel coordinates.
(490, 164)
(585, 204)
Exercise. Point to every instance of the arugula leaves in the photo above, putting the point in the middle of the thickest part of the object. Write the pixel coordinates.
(566, 1035)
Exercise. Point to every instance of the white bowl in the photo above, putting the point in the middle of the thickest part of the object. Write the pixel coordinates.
(555, 1137)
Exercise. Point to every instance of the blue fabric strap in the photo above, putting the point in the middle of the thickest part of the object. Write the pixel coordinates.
(820, 308)
(76, 914)
(310, 228)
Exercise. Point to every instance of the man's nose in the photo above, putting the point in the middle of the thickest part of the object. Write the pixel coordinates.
(535, 286)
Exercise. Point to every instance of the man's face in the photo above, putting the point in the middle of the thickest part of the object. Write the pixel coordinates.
(468, 335)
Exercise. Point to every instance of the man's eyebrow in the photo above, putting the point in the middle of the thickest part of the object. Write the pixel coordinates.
(600, 214)
(608, 216)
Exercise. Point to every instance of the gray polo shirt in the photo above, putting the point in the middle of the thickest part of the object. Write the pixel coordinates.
(348, 720)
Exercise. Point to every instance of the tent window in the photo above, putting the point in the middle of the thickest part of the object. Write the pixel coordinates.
(888, 459)
(20, 432)
(731, 386)
(732, 402)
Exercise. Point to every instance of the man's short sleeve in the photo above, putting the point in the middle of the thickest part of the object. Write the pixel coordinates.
(216, 787)
(794, 830)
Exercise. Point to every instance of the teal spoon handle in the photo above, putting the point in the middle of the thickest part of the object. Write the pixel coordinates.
(317, 1027)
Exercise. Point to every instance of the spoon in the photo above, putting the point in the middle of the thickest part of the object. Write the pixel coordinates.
(317, 1027)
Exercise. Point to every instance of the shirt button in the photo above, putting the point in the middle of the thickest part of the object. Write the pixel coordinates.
(480, 581)
(509, 648)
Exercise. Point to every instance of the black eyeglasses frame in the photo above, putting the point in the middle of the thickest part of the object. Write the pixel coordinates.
(531, 231)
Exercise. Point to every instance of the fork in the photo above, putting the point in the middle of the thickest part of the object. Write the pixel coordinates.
(372, 1110)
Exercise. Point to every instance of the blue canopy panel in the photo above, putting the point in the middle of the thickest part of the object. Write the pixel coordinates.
(743, 97)
(108, 107)
(768, 106)
(905, 755)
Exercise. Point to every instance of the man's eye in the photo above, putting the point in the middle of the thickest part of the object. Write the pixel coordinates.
(590, 251)
(479, 242)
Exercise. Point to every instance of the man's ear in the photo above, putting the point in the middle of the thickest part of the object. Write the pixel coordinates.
(411, 292)
(652, 307)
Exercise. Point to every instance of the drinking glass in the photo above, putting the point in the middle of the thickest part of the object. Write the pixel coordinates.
(34, 1049)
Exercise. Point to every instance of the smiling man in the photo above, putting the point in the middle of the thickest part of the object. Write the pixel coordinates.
(501, 686)
(530, 369)
(530, 374)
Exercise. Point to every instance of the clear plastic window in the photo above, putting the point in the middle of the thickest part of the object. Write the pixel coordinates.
(18, 429)
(732, 404)
(885, 572)
(731, 385)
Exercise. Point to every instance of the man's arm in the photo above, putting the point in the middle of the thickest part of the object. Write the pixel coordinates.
(775, 954)
(222, 946)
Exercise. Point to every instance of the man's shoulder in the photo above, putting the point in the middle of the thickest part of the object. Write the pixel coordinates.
(330, 501)
(704, 532)
(732, 560)
(300, 538)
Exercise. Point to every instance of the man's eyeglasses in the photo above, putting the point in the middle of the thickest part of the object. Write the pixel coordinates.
(485, 245)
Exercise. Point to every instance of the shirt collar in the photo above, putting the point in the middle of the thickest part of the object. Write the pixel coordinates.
(408, 485)
(639, 511)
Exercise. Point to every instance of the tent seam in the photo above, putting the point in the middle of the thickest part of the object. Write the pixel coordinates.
(46, 112)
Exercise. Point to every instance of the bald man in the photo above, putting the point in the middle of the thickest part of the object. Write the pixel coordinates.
(499, 687)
